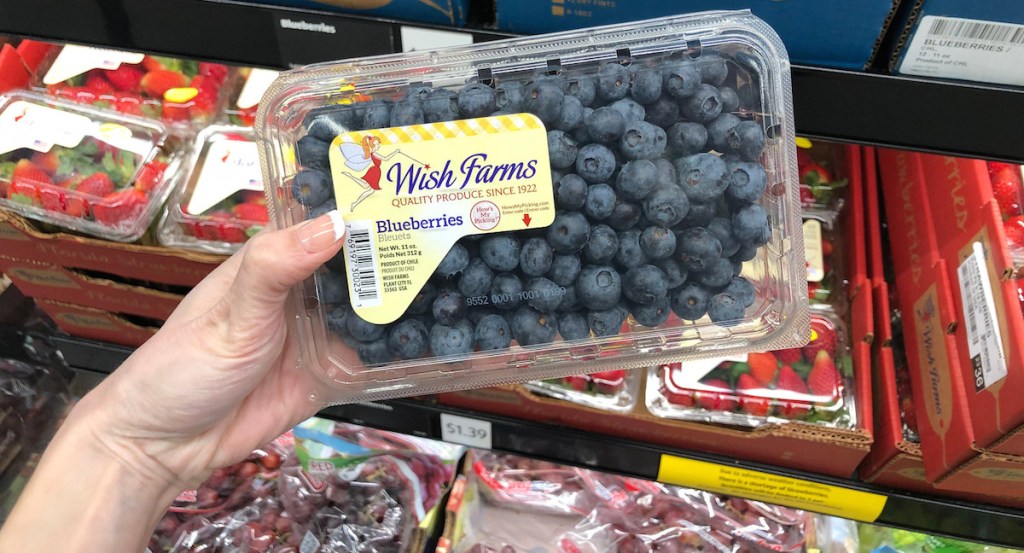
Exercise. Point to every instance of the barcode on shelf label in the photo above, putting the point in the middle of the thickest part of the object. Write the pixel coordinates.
(363, 267)
(984, 342)
(974, 50)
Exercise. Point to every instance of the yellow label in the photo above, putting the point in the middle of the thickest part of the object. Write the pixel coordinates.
(409, 193)
(760, 486)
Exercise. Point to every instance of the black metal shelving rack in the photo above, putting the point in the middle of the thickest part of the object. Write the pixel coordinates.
(927, 115)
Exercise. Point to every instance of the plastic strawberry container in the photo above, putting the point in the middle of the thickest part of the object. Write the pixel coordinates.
(219, 203)
(80, 168)
(812, 384)
(614, 390)
(823, 265)
(177, 91)
(240, 108)
(445, 163)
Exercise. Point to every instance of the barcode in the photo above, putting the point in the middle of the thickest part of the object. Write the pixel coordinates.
(361, 266)
(992, 32)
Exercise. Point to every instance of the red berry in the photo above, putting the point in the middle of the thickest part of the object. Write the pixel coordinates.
(1014, 228)
(789, 356)
(251, 212)
(789, 381)
(125, 78)
(578, 382)
(215, 71)
(718, 399)
(823, 338)
(97, 83)
(752, 396)
(150, 175)
(119, 207)
(1007, 193)
(97, 185)
(823, 381)
(763, 367)
(155, 83)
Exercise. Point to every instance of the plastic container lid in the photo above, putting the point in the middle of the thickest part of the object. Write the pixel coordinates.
(614, 390)
(811, 384)
(531, 208)
(220, 202)
(240, 108)
(80, 168)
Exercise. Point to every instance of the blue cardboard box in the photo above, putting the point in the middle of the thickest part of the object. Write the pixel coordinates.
(833, 33)
(435, 12)
(974, 41)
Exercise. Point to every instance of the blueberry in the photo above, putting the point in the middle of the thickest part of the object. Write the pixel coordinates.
(569, 301)
(690, 301)
(543, 295)
(680, 79)
(630, 254)
(697, 248)
(333, 288)
(327, 123)
(712, 68)
(451, 340)
(626, 215)
(531, 327)
(378, 115)
(664, 112)
(441, 105)
(642, 140)
(598, 287)
(311, 187)
(612, 82)
(718, 132)
(363, 330)
(544, 99)
(745, 253)
(562, 149)
(646, 85)
(313, 153)
(564, 269)
(407, 112)
(323, 209)
(742, 290)
(747, 181)
(652, 315)
(702, 177)
(750, 225)
(595, 163)
(337, 319)
(408, 339)
(722, 229)
(506, 291)
(454, 262)
(605, 125)
(571, 192)
(687, 138)
(602, 245)
(500, 252)
(449, 307)
(374, 353)
(746, 139)
(581, 134)
(476, 100)
(700, 214)
(607, 322)
(730, 100)
(675, 273)
(666, 172)
(657, 242)
(423, 301)
(509, 96)
(636, 179)
(476, 279)
(573, 326)
(704, 105)
(666, 205)
(717, 274)
(569, 232)
(581, 88)
(600, 202)
(572, 114)
(493, 333)
(630, 110)
(645, 285)
(535, 257)
(725, 310)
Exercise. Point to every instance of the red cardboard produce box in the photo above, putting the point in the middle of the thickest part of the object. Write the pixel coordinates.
(96, 324)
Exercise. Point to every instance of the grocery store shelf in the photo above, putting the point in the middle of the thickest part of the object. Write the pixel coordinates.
(906, 112)
(938, 516)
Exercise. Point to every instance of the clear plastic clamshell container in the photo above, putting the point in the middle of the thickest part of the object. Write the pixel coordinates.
(608, 198)
(221, 202)
(92, 171)
(614, 390)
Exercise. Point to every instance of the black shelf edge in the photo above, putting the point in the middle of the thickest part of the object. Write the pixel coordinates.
(931, 515)
(936, 116)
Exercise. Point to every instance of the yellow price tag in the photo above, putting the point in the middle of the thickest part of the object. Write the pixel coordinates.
(802, 142)
(770, 488)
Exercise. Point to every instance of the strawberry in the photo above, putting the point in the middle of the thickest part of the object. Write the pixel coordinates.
(823, 380)
(1007, 192)
(28, 172)
(609, 382)
(719, 399)
(205, 85)
(97, 185)
(51, 198)
(826, 247)
(98, 84)
(791, 382)
(789, 356)
(215, 71)
(155, 83)
(682, 399)
(806, 195)
(763, 367)
(578, 382)
(251, 212)
(746, 385)
(152, 63)
(813, 173)
(254, 197)
(48, 161)
(128, 103)
(125, 78)
(119, 207)
(150, 175)
(1014, 228)
(23, 192)
(823, 338)
(76, 206)
(175, 111)
(233, 233)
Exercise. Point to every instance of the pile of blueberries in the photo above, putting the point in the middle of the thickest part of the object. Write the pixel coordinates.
(649, 220)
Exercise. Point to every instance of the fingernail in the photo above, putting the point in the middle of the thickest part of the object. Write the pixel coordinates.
(323, 232)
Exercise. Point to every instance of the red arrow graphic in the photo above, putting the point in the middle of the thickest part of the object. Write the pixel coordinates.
(526, 219)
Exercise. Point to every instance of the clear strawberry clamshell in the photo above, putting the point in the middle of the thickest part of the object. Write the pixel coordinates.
(527, 209)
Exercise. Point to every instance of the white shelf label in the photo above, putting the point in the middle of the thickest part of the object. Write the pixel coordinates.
(984, 342)
(466, 431)
(968, 49)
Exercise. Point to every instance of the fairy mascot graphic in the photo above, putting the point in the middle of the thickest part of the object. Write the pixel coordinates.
(365, 155)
